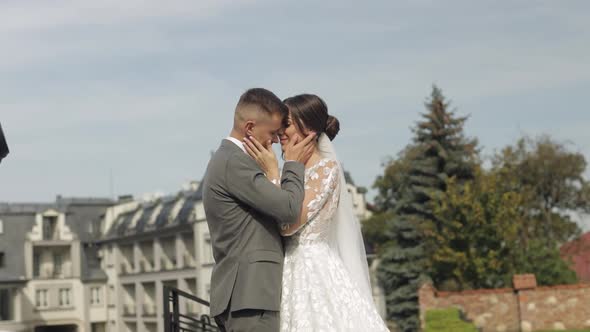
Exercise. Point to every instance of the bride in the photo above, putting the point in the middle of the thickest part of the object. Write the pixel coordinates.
(326, 283)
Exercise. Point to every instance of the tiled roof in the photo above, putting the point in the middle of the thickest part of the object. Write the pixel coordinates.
(578, 253)
(124, 225)
(19, 218)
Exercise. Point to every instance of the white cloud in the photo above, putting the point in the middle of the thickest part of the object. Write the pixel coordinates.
(35, 16)
(46, 33)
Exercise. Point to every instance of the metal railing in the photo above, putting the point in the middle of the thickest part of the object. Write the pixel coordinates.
(174, 321)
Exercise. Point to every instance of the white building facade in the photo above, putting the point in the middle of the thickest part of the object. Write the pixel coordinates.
(96, 265)
(149, 245)
(49, 277)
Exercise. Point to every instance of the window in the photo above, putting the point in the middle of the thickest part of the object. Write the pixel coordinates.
(207, 251)
(41, 298)
(95, 296)
(57, 264)
(36, 264)
(1, 226)
(1, 259)
(5, 304)
(64, 297)
(49, 224)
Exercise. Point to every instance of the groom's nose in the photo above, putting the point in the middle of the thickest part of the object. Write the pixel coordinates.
(275, 139)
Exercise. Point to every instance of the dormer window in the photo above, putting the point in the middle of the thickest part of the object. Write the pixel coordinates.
(49, 228)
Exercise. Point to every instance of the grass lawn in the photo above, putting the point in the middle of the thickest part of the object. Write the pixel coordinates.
(447, 320)
(565, 331)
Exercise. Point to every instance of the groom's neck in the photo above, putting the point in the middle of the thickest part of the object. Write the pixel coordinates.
(235, 134)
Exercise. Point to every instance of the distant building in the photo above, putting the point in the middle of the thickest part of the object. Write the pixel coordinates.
(359, 202)
(94, 265)
(577, 252)
(50, 275)
(149, 245)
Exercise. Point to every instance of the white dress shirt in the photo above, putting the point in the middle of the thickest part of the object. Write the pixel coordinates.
(237, 142)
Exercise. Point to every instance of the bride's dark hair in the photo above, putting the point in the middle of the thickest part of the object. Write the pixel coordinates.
(311, 112)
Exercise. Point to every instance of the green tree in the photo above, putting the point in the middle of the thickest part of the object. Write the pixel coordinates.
(373, 231)
(481, 243)
(478, 234)
(439, 151)
(390, 186)
(552, 177)
(546, 263)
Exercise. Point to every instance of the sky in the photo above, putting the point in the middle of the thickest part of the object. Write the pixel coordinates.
(106, 98)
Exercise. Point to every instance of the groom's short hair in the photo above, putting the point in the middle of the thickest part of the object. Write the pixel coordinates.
(259, 100)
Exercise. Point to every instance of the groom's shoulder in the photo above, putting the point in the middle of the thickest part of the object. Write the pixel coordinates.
(224, 151)
(230, 155)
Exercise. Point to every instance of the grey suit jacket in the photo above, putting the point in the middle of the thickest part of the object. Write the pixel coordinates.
(243, 209)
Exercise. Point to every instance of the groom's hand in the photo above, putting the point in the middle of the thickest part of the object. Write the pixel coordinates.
(264, 156)
(300, 151)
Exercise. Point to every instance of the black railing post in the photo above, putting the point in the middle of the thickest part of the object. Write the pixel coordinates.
(175, 312)
(174, 321)
(166, 306)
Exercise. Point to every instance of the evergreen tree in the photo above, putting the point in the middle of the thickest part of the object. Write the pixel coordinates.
(439, 151)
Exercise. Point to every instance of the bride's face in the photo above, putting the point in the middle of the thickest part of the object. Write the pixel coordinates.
(289, 132)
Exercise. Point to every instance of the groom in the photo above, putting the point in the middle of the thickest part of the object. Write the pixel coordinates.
(244, 209)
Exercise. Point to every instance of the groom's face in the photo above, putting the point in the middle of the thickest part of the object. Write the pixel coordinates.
(266, 130)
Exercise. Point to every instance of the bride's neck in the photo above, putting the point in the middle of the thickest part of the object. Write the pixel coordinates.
(315, 157)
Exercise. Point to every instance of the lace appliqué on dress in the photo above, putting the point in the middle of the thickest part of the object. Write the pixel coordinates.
(318, 293)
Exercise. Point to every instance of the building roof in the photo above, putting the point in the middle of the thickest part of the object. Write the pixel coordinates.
(578, 253)
(24, 208)
(142, 219)
(82, 218)
(15, 227)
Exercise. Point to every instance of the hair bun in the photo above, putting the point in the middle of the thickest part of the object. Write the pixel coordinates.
(332, 127)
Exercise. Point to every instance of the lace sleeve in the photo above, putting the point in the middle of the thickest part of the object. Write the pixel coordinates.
(321, 195)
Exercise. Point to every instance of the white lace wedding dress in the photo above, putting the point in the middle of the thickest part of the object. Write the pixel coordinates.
(319, 293)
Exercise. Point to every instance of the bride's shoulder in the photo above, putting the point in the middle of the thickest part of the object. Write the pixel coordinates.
(328, 162)
(325, 164)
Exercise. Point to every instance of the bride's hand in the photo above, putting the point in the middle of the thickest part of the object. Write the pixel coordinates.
(265, 157)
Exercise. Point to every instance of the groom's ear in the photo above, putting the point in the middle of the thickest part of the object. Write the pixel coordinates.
(249, 125)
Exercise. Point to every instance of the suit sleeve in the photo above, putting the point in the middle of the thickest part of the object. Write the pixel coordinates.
(246, 181)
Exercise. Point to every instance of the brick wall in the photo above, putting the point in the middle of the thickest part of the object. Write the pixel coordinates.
(505, 310)
(491, 310)
(559, 307)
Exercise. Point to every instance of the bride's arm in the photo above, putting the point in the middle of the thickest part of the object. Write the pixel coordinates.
(320, 186)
